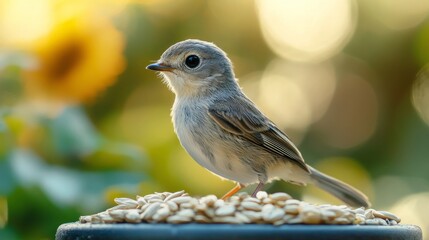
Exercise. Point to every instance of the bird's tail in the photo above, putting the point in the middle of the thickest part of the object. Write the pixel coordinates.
(341, 190)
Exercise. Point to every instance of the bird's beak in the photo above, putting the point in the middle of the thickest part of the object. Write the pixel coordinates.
(159, 67)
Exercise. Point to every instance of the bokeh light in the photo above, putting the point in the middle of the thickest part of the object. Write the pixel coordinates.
(413, 210)
(293, 97)
(307, 30)
(400, 14)
(22, 22)
(353, 113)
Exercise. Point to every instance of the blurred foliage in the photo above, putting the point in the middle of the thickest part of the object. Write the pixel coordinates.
(80, 117)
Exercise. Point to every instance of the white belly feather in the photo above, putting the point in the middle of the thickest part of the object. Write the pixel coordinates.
(227, 166)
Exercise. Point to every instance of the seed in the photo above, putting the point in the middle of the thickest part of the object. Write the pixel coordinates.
(85, 219)
(162, 214)
(202, 219)
(261, 195)
(292, 202)
(141, 201)
(327, 214)
(280, 203)
(275, 209)
(251, 206)
(172, 205)
(174, 195)
(371, 222)
(154, 200)
(234, 199)
(369, 214)
(393, 222)
(360, 210)
(186, 205)
(243, 195)
(280, 196)
(117, 214)
(251, 199)
(120, 206)
(132, 216)
(360, 219)
(95, 219)
(219, 203)
(243, 218)
(225, 210)
(253, 216)
(274, 215)
(311, 215)
(209, 212)
(386, 215)
(209, 200)
(150, 211)
(186, 213)
(381, 221)
(288, 217)
(131, 203)
(292, 209)
(180, 200)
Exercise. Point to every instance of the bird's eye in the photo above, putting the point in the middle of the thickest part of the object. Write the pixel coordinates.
(192, 61)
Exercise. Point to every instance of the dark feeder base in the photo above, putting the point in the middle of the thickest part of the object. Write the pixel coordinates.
(73, 231)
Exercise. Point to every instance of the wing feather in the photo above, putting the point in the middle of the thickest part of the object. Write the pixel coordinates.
(240, 117)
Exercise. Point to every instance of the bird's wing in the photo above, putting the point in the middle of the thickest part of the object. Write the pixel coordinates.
(240, 117)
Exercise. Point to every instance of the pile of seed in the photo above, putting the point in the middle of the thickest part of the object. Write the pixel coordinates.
(277, 208)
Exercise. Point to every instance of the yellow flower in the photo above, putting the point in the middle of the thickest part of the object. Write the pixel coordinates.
(79, 58)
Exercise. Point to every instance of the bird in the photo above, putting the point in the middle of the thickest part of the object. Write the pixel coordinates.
(225, 132)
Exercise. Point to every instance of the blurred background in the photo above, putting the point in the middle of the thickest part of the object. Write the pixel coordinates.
(82, 121)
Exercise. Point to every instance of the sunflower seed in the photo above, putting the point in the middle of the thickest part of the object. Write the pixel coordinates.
(226, 210)
(132, 216)
(292, 209)
(386, 215)
(209, 200)
(172, 205)
(117, 214)
(253, 216)
(276, 209)
(180, 200)
(251, 206)
(202, 219)
(186, 213)
(273, 215)
(280, 196)
(150, 211)
(131, 203)
(243, 218)
(261, 195)
(174, 195)
(219, 203)
(162, 214)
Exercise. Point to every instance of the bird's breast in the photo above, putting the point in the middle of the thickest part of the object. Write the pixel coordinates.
(201, 138)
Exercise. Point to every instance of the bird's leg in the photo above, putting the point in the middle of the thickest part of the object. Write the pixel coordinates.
(233, 191)
(258, 188)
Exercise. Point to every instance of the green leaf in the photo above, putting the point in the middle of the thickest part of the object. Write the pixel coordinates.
(73, 133)
(69, 187)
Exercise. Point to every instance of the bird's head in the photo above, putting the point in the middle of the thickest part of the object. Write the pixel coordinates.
(193, 67)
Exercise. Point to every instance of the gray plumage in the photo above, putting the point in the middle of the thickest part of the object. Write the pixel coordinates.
(225, 132)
